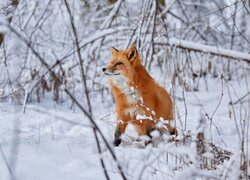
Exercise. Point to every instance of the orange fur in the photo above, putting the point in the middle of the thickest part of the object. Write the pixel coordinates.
(139, 99)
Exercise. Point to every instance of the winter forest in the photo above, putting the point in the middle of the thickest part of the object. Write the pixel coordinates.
(57, 111)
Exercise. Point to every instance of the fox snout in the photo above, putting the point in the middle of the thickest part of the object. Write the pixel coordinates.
(110, 71)
(106, 71)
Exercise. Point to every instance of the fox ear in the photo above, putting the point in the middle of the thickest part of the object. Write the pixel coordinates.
(132, 52)
(113, 50)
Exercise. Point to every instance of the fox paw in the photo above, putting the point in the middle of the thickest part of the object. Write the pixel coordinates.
(117, 142)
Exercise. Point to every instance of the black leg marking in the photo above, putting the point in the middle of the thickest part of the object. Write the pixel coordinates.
(118, 133)
(117, 142)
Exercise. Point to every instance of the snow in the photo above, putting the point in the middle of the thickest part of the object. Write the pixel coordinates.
(3, 22)
(209, 49)
(58, 143)
(143, 117)
(50, 140)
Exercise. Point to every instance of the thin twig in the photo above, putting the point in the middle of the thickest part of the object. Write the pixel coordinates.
(80, 59)
(100, 153)
(240, 99)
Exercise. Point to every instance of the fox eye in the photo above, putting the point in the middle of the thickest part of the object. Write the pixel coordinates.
(118, 63)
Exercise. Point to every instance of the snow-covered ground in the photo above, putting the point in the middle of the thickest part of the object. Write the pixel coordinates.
(50, 141)
(47, 140)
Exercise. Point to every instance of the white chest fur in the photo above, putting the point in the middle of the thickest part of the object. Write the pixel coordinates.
(121, 82)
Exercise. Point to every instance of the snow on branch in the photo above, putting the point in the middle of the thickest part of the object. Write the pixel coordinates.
(228, 53)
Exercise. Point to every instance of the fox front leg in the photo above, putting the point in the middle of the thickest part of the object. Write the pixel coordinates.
(119, 130)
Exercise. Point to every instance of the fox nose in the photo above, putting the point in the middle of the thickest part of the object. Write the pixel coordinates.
(103, 69)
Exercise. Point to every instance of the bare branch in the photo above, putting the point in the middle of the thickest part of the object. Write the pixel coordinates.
(192, 46)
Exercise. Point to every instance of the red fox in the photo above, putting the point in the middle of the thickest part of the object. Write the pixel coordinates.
(139, 99)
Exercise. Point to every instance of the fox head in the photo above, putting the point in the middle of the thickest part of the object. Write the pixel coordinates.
(122, 62)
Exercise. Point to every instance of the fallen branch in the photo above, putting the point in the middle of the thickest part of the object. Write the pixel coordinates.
(218, 51)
